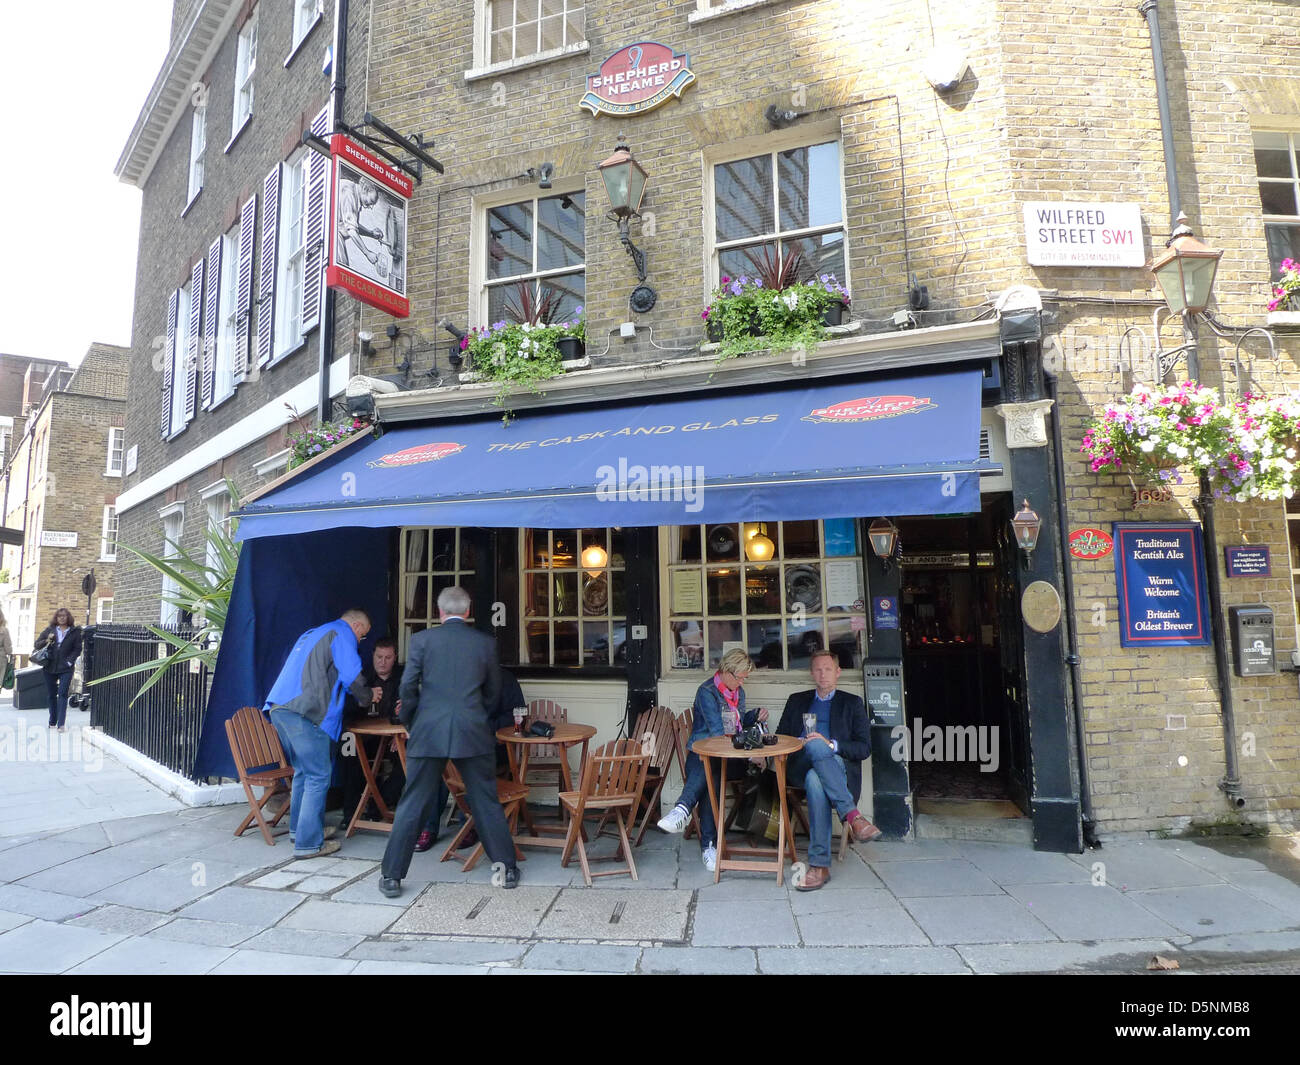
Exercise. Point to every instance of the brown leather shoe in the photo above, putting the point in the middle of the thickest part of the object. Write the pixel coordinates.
(863, 830)
(816, 877)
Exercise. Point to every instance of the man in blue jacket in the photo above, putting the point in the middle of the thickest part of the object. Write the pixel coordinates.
(306, 708)
(830, 765)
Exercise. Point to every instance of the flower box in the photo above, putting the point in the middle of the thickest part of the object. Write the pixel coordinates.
(834, 314)
(1286, 321)
(571, 348)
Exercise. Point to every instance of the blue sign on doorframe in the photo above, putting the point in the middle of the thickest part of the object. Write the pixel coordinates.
(884, 612)
(1160, 579)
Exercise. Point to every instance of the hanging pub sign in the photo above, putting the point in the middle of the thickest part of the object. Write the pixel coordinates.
(636, 79)
(367, 234)
(1160, 580)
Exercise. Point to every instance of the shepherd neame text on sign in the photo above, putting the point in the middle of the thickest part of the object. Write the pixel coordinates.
(1084, 234)
(1161, 584)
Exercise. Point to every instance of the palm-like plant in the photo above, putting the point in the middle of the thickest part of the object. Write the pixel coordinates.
(203, 585)
(775, 270)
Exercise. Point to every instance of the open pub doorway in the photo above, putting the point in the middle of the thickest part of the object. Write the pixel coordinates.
(963, 671)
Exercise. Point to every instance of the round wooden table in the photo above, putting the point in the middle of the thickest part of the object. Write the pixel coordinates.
(720, 747)
(390, 735)
(520, 748)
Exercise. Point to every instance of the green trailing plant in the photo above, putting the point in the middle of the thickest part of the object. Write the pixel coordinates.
(745, 315)
(203, 585)
(310, 441)
(515, 354)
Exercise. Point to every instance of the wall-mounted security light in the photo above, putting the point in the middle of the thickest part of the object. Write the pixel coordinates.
(365, 337)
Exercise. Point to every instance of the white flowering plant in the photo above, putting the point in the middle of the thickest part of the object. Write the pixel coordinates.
(745, 314)
(1262, 464)
(515, 353)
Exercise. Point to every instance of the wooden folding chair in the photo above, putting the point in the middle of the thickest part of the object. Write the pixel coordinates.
(511, 796)
(260, 762)
(546, 757)
(612, 780)
(795, 800)
(656, 729)
(685, 722)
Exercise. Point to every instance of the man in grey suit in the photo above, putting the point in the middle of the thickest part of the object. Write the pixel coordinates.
(449, 691)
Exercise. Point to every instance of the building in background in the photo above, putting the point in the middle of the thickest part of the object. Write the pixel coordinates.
(59, 488)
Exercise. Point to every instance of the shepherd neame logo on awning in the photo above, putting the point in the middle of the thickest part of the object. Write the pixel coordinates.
(869, 408)
(413, 456)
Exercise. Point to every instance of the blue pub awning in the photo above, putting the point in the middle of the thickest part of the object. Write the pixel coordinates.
(839, 448)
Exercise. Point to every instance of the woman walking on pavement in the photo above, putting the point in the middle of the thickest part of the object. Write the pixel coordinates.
(62, 641)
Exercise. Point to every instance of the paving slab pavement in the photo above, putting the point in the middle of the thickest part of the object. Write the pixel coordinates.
(171, 889)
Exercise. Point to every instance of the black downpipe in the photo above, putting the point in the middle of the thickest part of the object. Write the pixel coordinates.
(1230, 785)
(338, 86)
(1071, 636)
(1151, 9)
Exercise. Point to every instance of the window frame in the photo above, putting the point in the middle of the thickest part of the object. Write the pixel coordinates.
(289, 335)
(823, 616)
(610, 618)
(407, 622)
(99, 610)
(116, 436)
(169, 613)
(217, 500)
(304, 21)
(1291, 221)
(227, 333)
(482, 55)
(110, 523)
(180, 358)
(198, 149)
(772, 145)
(479, 293)
(245, 76)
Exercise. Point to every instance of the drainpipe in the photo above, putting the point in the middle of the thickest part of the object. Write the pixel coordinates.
(1230, 785)
(338, 85)
(1071, 636)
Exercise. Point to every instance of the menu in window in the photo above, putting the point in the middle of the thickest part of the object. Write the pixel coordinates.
(687, 591)
(844, 584)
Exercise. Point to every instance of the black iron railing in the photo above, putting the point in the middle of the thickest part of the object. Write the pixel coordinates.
(165, 722)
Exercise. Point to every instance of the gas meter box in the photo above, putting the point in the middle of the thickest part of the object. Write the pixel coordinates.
(1252, 640)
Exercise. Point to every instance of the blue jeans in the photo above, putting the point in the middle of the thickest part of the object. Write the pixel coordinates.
(56, 686)
(821, 774)
(695, 791)
(311, 753)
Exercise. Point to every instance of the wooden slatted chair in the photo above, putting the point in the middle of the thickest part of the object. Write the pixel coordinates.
(612, 780)
(260, 762)
(736, 785)
(546, 757)
(511, 796)
(657, 729)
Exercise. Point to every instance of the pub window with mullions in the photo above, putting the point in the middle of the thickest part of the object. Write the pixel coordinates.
(574, 593)
(432, 559)
(779, 590)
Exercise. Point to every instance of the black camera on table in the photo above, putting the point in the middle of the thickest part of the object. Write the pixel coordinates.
(753, 735)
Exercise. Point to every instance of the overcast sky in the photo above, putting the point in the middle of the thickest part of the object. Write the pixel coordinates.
(73, 77)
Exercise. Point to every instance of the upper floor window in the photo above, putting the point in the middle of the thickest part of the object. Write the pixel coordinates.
(293, 255)
(108, 535)
(305, 15)
(227, 330)
(198, 144)
(116, 443)
(173, 526)
(517, 29)
(785, 206)
(181, 360)
(245, 68)
(535, 262)
(1277, 163)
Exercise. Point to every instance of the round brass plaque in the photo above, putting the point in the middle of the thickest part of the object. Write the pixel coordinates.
(1041, 607)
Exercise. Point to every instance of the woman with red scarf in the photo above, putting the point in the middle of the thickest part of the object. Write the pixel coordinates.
(718, 711)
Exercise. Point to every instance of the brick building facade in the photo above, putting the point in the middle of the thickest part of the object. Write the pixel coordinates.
(902, 177)
(60, 486)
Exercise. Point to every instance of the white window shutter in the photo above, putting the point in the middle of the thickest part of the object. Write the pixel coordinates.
(195, 340)
(211, 316)
(244, 287)
(169, 358)
(318, 168)
(270, 250)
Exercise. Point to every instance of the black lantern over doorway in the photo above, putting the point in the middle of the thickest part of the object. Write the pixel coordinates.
(625, 183)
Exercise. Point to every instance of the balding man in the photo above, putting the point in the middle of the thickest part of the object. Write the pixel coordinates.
(449, 694)
(306, 708)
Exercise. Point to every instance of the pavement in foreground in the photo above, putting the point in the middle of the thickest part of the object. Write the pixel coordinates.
(101, 873)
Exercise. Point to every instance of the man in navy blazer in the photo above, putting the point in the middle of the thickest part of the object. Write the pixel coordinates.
(830, 765)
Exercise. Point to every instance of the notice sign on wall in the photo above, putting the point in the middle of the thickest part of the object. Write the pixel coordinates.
(1084, 234)
(1160, 580)
(367, 233)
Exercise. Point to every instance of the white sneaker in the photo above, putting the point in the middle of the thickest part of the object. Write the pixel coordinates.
(675, 820)
(709, 856)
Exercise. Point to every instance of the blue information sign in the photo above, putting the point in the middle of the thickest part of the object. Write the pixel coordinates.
(884, 611)
(1160, 579)
(1246, 561)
